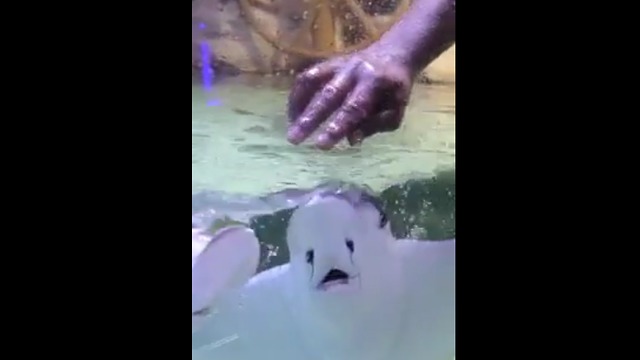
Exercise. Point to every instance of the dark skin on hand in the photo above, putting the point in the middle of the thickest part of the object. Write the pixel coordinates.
(366, 92)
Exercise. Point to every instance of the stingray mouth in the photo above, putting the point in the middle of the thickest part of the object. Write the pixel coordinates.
(334, 277)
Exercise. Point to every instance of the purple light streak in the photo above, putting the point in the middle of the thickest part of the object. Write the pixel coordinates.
(207, 70)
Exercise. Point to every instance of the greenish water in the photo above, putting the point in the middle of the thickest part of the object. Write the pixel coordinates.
(243, 167)
(239, 146)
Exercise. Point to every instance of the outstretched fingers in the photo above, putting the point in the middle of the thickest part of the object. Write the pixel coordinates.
(322, 105)
(306, 86)
(356, 108)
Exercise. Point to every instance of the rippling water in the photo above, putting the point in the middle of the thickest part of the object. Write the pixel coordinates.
(239, 146)
(242, 166)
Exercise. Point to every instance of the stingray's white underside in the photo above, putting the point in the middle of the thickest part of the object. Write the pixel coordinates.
(256, 321)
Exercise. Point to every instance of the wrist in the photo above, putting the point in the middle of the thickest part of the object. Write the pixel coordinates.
(424, 32)
(397, 52)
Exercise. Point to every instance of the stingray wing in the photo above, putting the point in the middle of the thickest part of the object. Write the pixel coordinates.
(227, 261)
(431, 265)
(430, 269)
(427, 251)
(246, 322)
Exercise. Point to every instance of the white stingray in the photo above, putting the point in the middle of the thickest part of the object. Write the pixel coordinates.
(350, 291)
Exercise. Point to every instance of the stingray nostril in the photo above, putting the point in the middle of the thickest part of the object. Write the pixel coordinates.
(310, 256)
(383, 219)
(350, 245)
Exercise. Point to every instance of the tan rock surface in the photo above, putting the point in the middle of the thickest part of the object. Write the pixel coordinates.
(234, 43)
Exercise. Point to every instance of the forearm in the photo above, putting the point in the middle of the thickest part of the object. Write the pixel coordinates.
(424, 32)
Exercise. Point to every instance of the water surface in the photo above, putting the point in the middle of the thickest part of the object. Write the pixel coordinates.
(243, 168)
(239, 145)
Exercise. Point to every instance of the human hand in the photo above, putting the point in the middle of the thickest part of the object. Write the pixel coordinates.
(360, 94)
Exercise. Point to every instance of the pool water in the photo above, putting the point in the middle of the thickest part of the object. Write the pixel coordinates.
(243, 167)
(239, 146)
